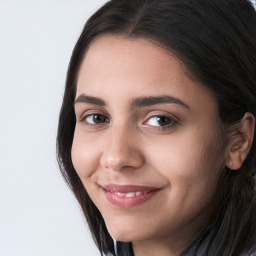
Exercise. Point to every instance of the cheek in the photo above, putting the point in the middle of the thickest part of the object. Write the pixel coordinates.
(188, 162)
(85, 154)
(193, 173)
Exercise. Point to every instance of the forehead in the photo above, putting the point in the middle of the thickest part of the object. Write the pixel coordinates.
(115, 67)
(118, 55)
(128, 49)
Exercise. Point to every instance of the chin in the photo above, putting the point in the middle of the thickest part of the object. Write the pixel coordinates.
(126, 233)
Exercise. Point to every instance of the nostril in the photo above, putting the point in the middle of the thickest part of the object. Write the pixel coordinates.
(121, 152)
(123, 161)
(113, 162)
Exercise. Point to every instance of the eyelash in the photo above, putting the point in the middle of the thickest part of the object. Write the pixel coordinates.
(172, 122)
(92, 116)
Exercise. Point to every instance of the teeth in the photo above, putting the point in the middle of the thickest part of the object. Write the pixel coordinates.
(130, 194)
(120, 194)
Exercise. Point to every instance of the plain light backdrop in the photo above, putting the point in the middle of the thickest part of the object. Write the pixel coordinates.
(38, 214)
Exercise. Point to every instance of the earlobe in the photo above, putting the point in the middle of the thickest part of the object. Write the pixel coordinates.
(240, 142)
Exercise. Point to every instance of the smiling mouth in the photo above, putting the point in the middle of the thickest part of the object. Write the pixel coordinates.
(126, 196)
(130, 194)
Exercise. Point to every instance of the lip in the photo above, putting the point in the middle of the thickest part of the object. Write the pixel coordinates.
(110, 191)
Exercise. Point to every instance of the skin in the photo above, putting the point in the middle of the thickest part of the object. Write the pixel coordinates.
(129, 146)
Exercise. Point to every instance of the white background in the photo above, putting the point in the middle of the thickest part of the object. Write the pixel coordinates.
(38, 213)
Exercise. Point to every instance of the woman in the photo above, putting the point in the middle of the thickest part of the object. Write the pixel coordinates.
(156, 130)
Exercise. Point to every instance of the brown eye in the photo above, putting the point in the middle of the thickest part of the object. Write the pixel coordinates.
(96, 119)
(160, 121)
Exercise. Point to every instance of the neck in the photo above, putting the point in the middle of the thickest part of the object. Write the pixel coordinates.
(160, 248)
(168, 246)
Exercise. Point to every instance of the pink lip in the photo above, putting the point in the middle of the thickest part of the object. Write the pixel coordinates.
(110, 191)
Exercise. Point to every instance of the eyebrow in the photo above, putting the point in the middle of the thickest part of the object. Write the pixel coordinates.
(91, 100)
(139, 102)
(154, 100)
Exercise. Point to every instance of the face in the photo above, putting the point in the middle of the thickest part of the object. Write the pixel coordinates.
(145, 143)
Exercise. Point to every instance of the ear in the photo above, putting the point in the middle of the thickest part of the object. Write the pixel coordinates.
(240, 142)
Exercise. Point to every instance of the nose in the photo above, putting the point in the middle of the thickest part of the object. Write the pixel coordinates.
(122, 150)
